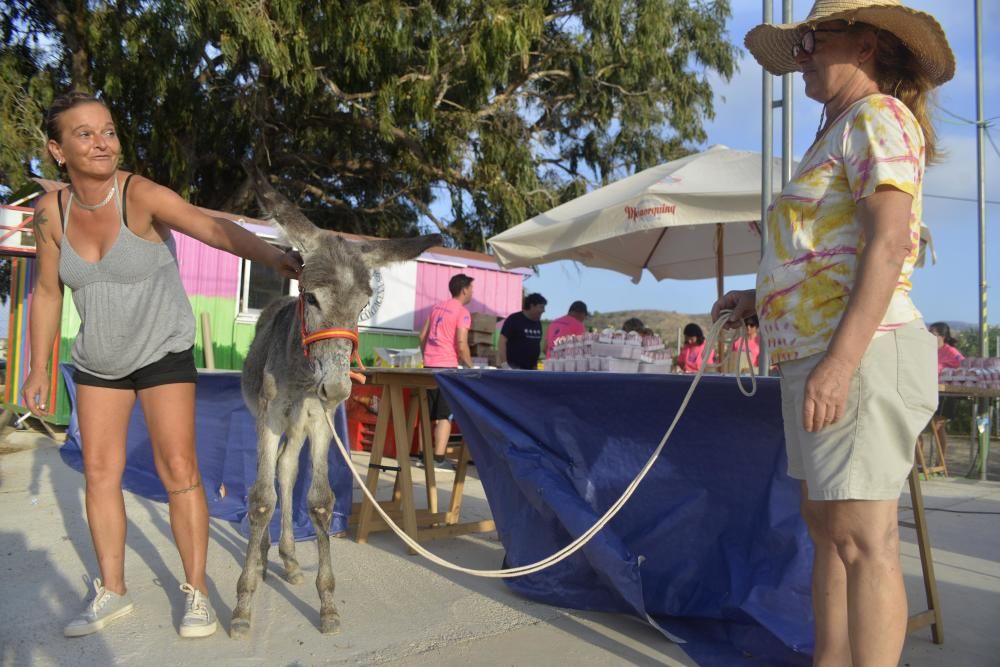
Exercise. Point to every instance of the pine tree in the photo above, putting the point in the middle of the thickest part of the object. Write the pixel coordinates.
(376, 117)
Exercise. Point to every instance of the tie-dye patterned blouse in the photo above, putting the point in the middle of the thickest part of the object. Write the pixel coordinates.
(810, 265)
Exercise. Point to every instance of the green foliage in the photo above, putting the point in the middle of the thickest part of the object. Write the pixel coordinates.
(369, 113)
(968, 341)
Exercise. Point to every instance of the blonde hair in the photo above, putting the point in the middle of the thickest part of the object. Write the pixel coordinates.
(900, 74)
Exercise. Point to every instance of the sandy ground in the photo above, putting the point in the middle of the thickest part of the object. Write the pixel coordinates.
(395, 608)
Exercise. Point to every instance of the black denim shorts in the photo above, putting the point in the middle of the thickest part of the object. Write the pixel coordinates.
(173, 368)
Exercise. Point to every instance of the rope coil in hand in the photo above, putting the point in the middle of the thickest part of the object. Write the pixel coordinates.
(579, 542)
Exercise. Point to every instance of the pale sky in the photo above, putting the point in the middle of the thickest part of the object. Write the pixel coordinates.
(947, 290)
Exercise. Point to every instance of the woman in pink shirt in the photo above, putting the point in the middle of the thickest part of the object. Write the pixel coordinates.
(948, 357)
(689, 359)
(948, 354)
(753, 342)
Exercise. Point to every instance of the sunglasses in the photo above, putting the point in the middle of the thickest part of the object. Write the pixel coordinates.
(807, 42)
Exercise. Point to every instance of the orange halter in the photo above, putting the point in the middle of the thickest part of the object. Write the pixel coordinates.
(325, 334)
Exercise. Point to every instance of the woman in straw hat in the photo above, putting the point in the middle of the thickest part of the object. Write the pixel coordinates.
(858, 373)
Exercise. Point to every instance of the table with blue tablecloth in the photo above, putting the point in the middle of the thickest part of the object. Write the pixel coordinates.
(710, 549)
(226, 440)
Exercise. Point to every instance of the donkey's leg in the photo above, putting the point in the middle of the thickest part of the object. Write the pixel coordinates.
(288, 470)
(261, 507)
(265, 546)
(320, 501)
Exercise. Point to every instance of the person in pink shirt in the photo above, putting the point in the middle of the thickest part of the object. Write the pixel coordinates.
(753, 343)
(948, 354)
(570, 324)
(444, 342)
(948, 357)
(689, 359)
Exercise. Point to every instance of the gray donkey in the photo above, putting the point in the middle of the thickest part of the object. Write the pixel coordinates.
(290, 388)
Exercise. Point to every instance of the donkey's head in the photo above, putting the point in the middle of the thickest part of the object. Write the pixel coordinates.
(335, 284)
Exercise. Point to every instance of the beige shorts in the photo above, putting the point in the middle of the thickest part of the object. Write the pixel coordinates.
(868, 453)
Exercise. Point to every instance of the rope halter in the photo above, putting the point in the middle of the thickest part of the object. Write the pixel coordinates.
(325, 334)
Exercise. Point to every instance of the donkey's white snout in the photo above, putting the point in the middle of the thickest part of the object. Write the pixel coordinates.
(334, 391)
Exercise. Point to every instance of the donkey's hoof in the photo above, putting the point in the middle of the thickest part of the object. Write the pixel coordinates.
(240, 628)
(295, 577)
(330, 624)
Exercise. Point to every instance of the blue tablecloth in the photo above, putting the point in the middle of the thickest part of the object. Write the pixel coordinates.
(227, 455)
(711, 548)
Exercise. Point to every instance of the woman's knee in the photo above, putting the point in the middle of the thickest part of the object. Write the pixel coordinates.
(178, 469)
(864, 538)
(102, 470)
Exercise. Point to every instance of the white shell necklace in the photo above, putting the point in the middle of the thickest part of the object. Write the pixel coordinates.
(94, 207)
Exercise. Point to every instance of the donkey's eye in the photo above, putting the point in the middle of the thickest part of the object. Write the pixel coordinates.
(310, 299)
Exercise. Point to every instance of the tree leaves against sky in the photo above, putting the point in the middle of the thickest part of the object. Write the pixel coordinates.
(375, 117)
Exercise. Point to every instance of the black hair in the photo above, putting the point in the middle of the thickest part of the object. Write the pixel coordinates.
(65, 102)
(633, 324)
(534, 299)
(942, 329)
(752, 321)
(693, 330)
(459, 282)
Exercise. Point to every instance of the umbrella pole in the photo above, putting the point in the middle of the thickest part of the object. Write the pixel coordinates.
(720, 270)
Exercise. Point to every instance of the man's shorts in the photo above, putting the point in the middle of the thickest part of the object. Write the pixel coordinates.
(868, 453)
(439, 407)
(173, 368)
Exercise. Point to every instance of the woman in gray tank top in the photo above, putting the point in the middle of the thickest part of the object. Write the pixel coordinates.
(108, 237)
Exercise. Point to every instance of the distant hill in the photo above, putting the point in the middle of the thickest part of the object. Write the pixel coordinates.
(663, 322)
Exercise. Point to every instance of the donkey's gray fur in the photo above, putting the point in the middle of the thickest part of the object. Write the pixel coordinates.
(291, 395)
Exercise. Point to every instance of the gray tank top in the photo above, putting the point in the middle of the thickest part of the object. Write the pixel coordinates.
(132, 304)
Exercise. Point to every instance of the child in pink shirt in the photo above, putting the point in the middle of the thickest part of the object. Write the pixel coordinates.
(689, 360)
(948, 354)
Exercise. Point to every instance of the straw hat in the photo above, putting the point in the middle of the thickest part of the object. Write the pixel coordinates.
(772, 45)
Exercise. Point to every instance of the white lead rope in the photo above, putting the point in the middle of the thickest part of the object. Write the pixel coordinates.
(579, 542)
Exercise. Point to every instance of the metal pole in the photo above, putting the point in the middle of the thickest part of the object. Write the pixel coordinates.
(787, 121)
(981, 180)
(766, 150)
(984, 439)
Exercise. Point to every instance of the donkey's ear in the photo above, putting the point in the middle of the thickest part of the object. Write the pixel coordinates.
(379, 253)
(276, 206)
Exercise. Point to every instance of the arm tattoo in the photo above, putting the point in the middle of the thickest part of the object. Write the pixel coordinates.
(190, 488)
(37, 222)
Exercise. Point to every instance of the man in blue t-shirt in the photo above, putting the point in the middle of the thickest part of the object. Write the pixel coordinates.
(521, 335)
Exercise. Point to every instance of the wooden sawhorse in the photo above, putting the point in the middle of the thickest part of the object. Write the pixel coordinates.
(937, 450)
(932, 615)
(423, 524)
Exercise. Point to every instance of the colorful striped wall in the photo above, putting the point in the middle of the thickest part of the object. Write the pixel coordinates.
(22, 276)
(211, 279)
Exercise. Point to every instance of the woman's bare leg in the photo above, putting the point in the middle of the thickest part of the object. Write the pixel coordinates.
(169, 410)
(103, 416)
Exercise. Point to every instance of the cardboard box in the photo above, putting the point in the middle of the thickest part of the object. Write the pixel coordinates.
(480, 337)
(483, 323)
(481, 349)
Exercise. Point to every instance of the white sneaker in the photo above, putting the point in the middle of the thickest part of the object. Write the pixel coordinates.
(199, 617)
(105, 607)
